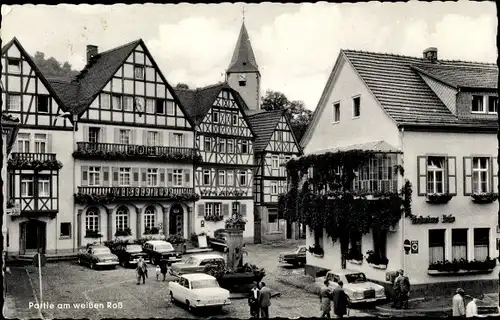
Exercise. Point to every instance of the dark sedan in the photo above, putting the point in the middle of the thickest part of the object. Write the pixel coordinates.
(97, 256)
(218, 241)
(295, 258)
(129, 254)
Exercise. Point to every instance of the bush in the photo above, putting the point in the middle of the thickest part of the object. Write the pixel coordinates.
(176, 239)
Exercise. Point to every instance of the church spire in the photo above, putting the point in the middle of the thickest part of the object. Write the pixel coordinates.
(243, 57)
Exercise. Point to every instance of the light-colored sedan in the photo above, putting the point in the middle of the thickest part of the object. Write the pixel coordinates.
(198, 290)
(357, 288)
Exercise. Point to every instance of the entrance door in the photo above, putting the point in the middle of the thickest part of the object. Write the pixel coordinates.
(33, 233)
(288, 229)
(176, 221)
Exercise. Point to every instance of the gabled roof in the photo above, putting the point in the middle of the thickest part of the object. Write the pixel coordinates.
(243, 57)
(480, 76)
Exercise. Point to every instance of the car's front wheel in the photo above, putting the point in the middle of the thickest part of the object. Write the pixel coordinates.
(172, 297)
(188, 305)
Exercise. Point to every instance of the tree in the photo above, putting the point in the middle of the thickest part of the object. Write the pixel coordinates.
(52, 68)
(182, 86)
(299, 116)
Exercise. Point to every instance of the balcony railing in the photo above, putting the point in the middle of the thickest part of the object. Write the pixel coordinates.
(34, 161)
(29, 156)
(116, 151)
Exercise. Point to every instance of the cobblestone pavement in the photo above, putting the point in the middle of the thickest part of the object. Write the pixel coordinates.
(78, 292)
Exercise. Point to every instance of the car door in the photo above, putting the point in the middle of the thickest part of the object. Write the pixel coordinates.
(177, 291)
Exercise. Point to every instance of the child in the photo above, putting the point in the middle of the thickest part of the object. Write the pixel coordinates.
(158, 271)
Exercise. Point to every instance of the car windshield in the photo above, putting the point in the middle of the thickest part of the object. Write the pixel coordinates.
(134, 248)
(192, 260)
(101, 251)
(355, 277)
(164, 247)
(204, 284)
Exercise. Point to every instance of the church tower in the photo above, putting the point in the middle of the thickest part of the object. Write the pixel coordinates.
(243, 73)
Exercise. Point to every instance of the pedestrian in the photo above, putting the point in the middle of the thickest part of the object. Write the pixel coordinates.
(264, 300)
(253, 301)
(339, 300)
(325, 299)
(458, 309)
(404, 289)
(158, 272)
(396, 290)
(471, 309)
(164, 270)
(142, 271)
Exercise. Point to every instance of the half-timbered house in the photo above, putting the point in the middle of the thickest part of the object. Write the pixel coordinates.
(43, 218)
(224, 138)
(274, 145)
(134, 150)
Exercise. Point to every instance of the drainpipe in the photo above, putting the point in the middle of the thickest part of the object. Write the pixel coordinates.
(403, 259)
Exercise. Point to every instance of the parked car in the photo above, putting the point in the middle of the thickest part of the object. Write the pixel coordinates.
(129, 254)
(161, 251)
(357, 288)
(198, 290)
(196, 264)
(296, 258)
(218, 241)
(97, 256)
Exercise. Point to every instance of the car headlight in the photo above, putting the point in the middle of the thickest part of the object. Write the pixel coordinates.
(357, 295)
(380, 292)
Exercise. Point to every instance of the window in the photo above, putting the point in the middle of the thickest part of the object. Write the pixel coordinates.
(436, 246)
(230, 146)
(435, 175)
(222, 178)
(275, 162)
(94, 134)
(478, 104)
(139, 72)
(279, 135)
(481, 243)
(44, 186)
(40, 143)
(235, 208)
(105, 101)
(139, 104)
(152, 177)
(209, 209)
(212, 208)
(23, 142)
(243, 178)
(225, 94)
(235, 119)
(208, 144)
(242, 80)
(178, 140)
(14, 65)
(128, 103)
(160, 106)
(27, 186)
(380, 242)
(272, 220)
(215, 117)
(217, 208)
(152, 138)
(65, 230)
(206, 177)
(230, 178)
(336, 112)
(117, 102)
(274, 188)
(124, 177)
(150, 106)
(92, 219)
(149, 217)
(14, 102)
(459, 244)
(492, 104)
(177, 176)
(170, 108)
(94, 176)
(121, 218)
(244, 146)
(124, 136)
(222, 145)
(356, 107)
(42, 103)
(480, 172)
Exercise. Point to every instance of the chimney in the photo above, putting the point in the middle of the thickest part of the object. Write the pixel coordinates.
(91, 51)
(431, 54)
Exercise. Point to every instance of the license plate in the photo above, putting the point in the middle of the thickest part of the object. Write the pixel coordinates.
(213, 301)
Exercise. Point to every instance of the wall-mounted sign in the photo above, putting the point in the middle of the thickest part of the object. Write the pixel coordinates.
(448, 218)
(407, 246)
(414, 246)
(223, 193)
(146, 191)
(430, 220)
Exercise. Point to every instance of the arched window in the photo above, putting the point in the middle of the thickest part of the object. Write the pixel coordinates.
(122, 218)
(92, 219)
(149, 217)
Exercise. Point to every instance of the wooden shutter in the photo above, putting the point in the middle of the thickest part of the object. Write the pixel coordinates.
(135, 177)
(85, 133)
(243, 209)
(103, 137)
(201, 209)
(422, 175)
(187, 178)
(494, 175)
(467, 176)
(117, 135)
(162, 177)
(49, 142)
(225, 209)
(85, 176)
(133, 133)
(451, 170)
(105, 176)
(144, 177)
(170, 177)
(115, 181)
(171, 139)
(144, 137)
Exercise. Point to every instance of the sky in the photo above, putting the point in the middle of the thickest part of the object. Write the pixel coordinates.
(296, 45)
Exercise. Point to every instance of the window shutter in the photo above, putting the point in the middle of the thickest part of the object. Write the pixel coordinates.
(85, 176)
(452, 175)
(103, 137)
(201, 209)
(187, 178)
(133, 133)
(467, 176)
(422, 175)
(115, 181)
(225, 209)
(135, 177)
(144, 137)
(171, 139)
(105, 176)
(117, 135)
(162, 177)
(494, 174)
(170, 176)
(144, 177)
(49, 142)
(85, 133)
(243, 209)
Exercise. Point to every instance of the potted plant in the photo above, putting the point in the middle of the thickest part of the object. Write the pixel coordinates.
(488, 197)
(178, 242)
(193, 237)
(376, 260)
(152, 230)
(236, 222)
(439, 198)
(92, 234)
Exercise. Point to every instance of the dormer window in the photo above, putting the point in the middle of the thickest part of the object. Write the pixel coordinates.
(139, 72)
(484, 104)
(478, 104)
(492, 104)
(242, 80)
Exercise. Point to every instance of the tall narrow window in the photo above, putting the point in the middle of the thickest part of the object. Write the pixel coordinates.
(336, 112)
(208, 144)
(492, 104)
(124, 136)
(279, 135)
(222, 145)
(23, 142)
(356, 107)
(209, 209)
(459, 244)
(44, 186)
(152, 177)
(478, 104)
(206, 177)
(40, 143)
(235, 208)
(230, 178)
(480, 175)
(105, 101)
(139, 72)
(274, 188)
(94, 176)
(27, 186)
(222, 178)
(177, 177)
(178, 140)
(170, 108)
(124, 177)
(160, 106)
(92, 219)
(150, 106)
(435, 175)
(128, 103)
(272, 220)
(122, 218)
(149, 217)
(275, 162)
(94, 134)
(152, 138)
(42, 103)
(436, 246)
(481, 243)
(243, 178)
(14, 102)
(117, 102)
(230, 146)
(217, 209)
(244, 146)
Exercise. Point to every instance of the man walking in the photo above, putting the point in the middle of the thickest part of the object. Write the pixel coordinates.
(253, 301)
(458, 309)
(141, 271)
(265, 300)
(396, 290)
(339, 300)
(325, 299)
(404, 289)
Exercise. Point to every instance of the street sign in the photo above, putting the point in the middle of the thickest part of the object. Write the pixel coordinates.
(43, 259)
(407, 246)
(414, 246)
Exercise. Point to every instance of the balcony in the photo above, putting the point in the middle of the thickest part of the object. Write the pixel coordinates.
(116, 151)
(33, 161)
(104, 195)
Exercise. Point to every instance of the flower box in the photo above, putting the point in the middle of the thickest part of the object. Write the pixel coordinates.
(462, 266)
(214, 218)
(458, 272)
(439, 198)
(376, 261)
(484, 197)
(153, 230)
(31, 164)
(92, 234)
(317, 251)
(358, 262)
(378, 266)
(123, 233)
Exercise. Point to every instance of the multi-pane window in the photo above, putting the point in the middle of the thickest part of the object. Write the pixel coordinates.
(242, 178)
(230, 146)
(117, 102)
(152, 177)
(40, 143)
(274, 188)
(235, 208)
(206, 177)
(43, 186)
(244, 146)
(170, 108)
(377, 175)
(435, 175)
(217, 208)
(177, 176)
(149, 217)
(152, 138)
(275, 162)
(128, 103)
(478, 104)
(139, 72)
(27, 186)
(42, 104)
(209, 209)
(208, 144)
(14, 102)
(122, 218)
(481, 243)
(222, 145)
(230, 178)
(336, 112)
(459, 244)
(105, 101)
(94, 134)
(14, 65)
(124, 136)
(492, 104)
(160, 106)
(222, 177)
(65, 229)
(436, 245)
(480, 175)
(150, 106)
(215, 117)
(124, 177)
(23, 142)
(178, 140)
(92, 219)
(94, 176)
(356, 107)
(279, 135)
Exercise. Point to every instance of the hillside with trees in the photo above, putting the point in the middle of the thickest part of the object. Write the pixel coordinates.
(52, 68)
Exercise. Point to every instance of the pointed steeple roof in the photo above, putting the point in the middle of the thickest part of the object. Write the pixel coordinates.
(243, 58)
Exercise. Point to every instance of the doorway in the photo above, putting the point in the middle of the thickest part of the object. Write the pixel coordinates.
(176, 220)
(288, 229)
(33, 236)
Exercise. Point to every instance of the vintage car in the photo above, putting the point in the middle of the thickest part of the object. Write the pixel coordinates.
(196, 264)
(357, 288)
(218, 241)
(296, 258)
(159, 251)
(129, 254)
(198, 290)
(97, 256)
